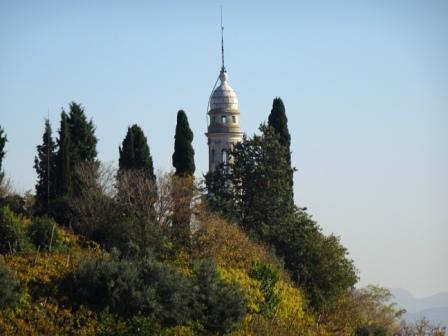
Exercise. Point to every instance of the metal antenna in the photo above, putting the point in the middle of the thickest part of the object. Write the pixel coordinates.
(222, 42)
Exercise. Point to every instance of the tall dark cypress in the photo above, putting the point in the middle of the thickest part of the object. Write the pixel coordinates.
(279, 122)
(183, 161)
(134, 152)
(183, 156)
(63, 167)
(45, 166)
(3, 140)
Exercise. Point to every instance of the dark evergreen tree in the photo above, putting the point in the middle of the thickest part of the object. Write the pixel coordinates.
(221, 304)
(45, 166)
(183, 161)
(183, 156)
(260, 176)
(82, 136)
(220, 194)
(279, 122)
(260, 179)
(82, 144)
(134, 152)
(63, 158)
(3, 141)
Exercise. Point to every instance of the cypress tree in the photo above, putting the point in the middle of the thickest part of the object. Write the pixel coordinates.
(45, 164)
(63, 157)
(3, 140)
(279, 122)
(183, 156)
(134, 152)
(183, 161)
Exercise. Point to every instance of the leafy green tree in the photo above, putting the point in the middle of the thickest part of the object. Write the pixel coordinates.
(219, 194)
(45, 166)
(317, 262)
(260, 179)
(3, 140)
(183, 156)
(134, 152)
(9, 286)
(268, 276)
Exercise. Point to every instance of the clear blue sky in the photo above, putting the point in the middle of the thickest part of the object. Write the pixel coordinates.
(365, 84)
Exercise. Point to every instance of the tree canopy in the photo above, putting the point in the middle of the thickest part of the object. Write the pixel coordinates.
(134, 152)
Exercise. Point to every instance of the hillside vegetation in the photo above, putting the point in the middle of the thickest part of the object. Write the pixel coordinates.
(103, 251)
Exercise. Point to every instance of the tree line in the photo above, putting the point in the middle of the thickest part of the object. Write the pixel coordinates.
(144, 219)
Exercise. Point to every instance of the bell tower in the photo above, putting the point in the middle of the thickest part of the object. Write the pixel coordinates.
(223, 118)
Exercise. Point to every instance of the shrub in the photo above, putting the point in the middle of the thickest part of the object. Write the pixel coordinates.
(9, 286)
(127, 288)
(42, 232)
(12, 232)
(221, 304)
(131, 235)
(226, 244)
(268, 276)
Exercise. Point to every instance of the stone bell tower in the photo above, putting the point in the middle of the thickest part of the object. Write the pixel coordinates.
(223, 118)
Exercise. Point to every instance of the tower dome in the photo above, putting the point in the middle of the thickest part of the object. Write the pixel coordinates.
(224, 97)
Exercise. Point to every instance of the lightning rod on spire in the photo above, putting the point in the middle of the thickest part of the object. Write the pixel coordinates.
(222, 43)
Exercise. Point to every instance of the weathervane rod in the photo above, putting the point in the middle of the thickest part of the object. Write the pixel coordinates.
(222, 42)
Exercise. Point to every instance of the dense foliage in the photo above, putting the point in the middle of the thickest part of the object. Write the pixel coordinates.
(261, 200)
(12, 232)
(151, 288)
(9, 286)
(249, 262)
(43, 234)
(134, 152)
(45, 166)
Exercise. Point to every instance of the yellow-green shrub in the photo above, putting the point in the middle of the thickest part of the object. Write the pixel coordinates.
(226, 244)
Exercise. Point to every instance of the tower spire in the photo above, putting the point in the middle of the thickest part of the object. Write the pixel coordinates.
(223, 68)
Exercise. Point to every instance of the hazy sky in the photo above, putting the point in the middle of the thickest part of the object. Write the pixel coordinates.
(365, 84)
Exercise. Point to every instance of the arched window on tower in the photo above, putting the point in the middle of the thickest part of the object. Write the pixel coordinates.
(224, 119)
(224, 156)
(213, 155)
